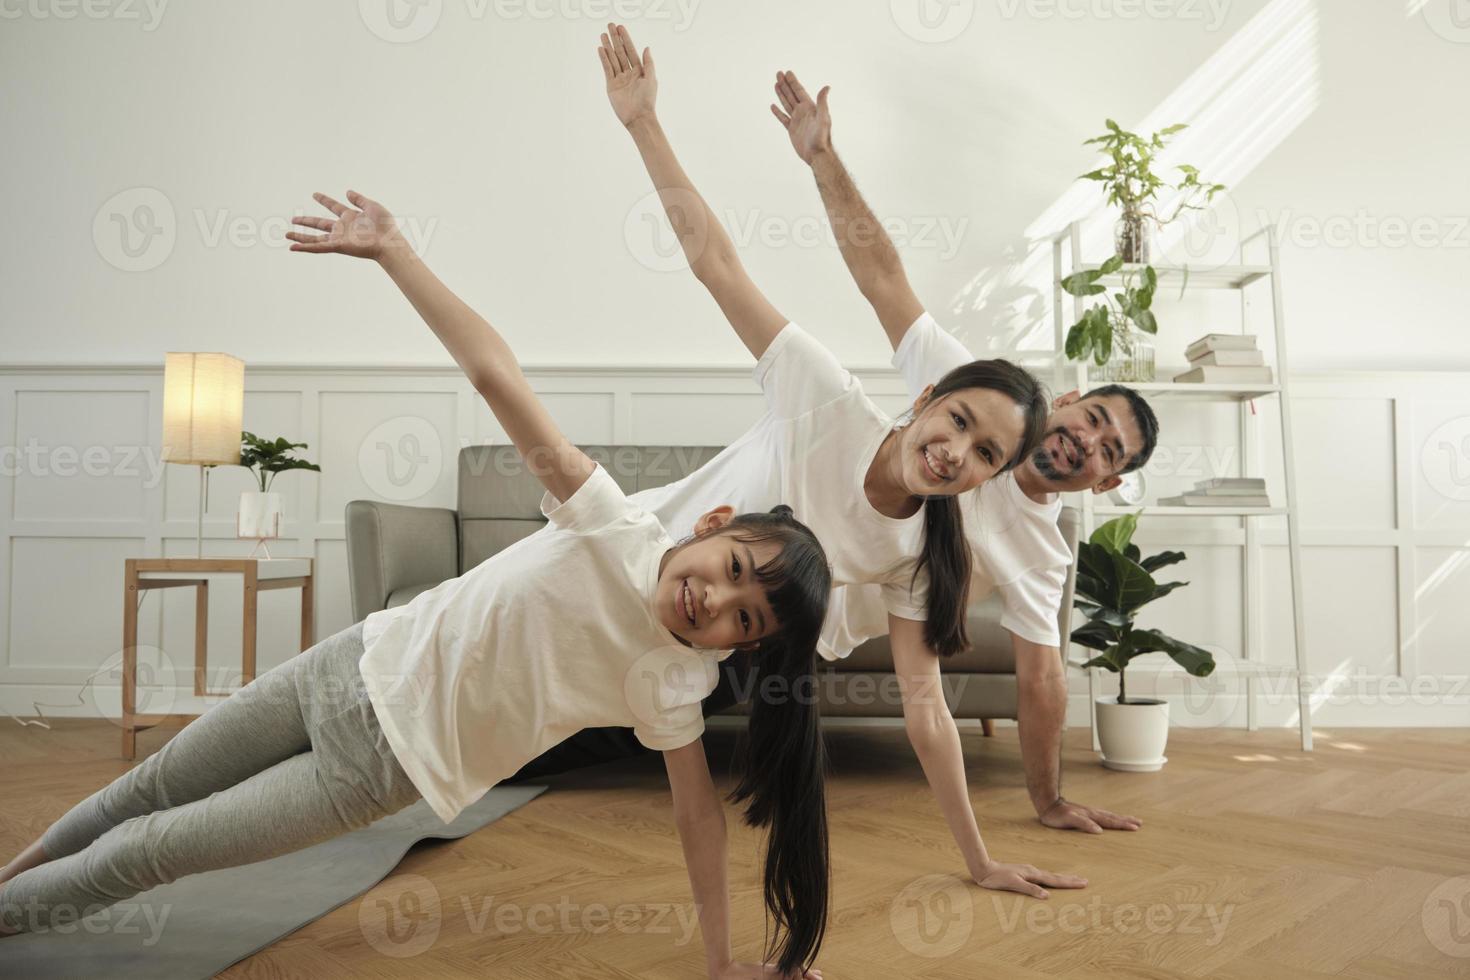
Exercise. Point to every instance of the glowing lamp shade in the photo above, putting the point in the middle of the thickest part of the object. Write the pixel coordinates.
(203, 408)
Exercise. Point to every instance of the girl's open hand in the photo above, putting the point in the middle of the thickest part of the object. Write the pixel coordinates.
(365, 233)
(631, 82)
(758, 971)
(1026, 879)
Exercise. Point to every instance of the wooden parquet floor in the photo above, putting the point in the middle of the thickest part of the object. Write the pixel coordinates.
(1255, 862)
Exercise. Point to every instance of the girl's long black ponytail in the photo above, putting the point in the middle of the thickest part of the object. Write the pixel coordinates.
(782, 759)
(784, 765)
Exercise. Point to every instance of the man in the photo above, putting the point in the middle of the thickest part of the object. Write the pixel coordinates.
(1011, 520)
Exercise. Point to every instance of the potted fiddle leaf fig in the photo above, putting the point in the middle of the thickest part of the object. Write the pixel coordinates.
(260, 512)
(1113, 583)
(1112, 334)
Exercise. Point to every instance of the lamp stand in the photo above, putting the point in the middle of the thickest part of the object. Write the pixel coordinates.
(199, 524)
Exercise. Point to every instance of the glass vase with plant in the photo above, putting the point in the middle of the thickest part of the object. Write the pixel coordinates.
(1112, 330)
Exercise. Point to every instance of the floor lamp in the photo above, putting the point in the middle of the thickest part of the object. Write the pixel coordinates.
(203, 408)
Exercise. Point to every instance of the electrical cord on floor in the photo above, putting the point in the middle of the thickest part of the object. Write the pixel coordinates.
(42, 722)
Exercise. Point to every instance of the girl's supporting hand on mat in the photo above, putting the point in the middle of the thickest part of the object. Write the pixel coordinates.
(631, 82)
(807, 122)
(367, 233)
(1024, 878)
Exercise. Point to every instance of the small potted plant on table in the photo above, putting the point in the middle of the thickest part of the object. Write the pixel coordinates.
(260, 513)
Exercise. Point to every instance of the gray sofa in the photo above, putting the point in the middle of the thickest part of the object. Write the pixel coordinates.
(394, 552)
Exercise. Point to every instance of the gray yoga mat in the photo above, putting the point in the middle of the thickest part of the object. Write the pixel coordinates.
(204, 923)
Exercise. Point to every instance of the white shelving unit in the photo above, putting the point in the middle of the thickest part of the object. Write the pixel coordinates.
(1239, 277)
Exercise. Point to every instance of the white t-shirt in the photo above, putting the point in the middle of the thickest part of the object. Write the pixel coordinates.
(482, 673)
(1017, 548)
(811, 451)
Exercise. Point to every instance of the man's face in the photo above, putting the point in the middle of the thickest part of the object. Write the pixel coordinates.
(1089, 441)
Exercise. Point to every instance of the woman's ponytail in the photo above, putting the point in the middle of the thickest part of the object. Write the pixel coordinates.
(946, 558)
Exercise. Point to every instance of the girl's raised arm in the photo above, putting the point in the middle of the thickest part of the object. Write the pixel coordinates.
(631, 88)
(371, 233)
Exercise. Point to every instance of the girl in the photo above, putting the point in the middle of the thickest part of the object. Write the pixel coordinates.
(600, 620)
(882, 495)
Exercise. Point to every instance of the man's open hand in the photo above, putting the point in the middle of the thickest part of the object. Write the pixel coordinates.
(1066, 815)
(807, 122)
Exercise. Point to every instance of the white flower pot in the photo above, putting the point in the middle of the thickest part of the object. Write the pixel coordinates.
(259, 515)
(1133, 735)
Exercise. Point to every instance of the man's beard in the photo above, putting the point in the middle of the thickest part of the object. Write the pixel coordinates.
(1047, 467)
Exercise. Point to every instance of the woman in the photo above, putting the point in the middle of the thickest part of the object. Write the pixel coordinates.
(880, 495)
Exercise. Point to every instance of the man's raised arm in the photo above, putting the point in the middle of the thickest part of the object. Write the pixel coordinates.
(866, 247)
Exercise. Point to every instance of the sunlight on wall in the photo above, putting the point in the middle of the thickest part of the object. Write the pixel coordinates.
(1240, 105)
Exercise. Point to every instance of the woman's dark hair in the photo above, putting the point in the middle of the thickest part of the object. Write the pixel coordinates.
(946, 554)
(782, 760)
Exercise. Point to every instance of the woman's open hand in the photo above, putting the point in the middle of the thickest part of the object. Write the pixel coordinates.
(631, 83)
(365, 233)
(1025, 878)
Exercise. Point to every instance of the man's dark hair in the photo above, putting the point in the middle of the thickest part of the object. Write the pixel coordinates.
(1148, 422)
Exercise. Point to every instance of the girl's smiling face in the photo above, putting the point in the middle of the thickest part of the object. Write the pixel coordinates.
(708, 595)
(957, 442)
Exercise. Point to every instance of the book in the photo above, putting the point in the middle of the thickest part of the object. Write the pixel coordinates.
(1200, 500)
(1230, 358)
(1220, 341)
(1225, 375)
(1219, 482)
(1229, 494)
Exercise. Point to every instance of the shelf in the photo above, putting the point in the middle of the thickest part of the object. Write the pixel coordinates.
(1234, 667)
(1220, 277)
(1156, 511)
(1204, 392)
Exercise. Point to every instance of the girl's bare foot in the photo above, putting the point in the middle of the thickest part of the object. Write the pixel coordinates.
(32, 857)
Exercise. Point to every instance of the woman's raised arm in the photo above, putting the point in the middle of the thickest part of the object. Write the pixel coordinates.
(632, 85)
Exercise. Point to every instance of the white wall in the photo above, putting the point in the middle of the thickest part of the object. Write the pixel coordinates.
(493, 134)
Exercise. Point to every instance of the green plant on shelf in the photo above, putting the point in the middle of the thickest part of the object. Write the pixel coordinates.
(1113, 583)
(1131, 184)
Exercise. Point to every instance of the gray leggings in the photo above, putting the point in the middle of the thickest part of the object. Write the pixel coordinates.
(294, 758)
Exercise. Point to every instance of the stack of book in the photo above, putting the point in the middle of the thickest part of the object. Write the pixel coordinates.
(1235, 491)
(1226, 358)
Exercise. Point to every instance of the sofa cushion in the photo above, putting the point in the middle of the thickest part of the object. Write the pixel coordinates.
(989, 653)
(406, 594)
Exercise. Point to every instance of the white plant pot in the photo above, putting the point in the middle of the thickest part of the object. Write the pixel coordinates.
(259, 515)
(1133, 735)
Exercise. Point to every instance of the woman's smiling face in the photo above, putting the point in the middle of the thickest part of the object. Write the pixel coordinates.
(958, 441)
(707, 593)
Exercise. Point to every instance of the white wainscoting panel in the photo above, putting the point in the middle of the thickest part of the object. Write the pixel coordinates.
(1383, 464)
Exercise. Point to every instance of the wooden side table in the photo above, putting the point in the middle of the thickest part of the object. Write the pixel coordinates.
(260, 574)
